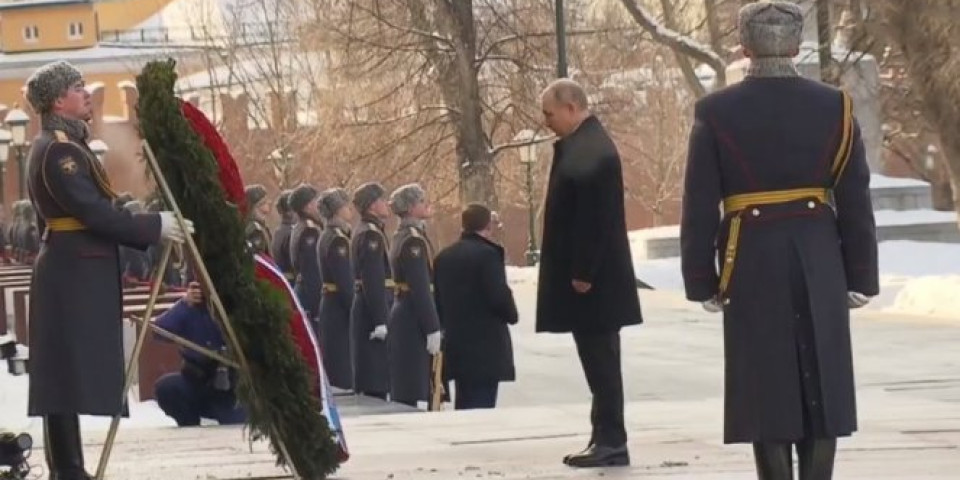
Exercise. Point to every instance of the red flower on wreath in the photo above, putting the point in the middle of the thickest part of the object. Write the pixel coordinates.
(229, 173)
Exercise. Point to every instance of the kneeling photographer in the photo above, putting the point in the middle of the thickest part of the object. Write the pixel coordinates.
(204, 388)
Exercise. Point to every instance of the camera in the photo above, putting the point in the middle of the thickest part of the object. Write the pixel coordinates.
(14, 450)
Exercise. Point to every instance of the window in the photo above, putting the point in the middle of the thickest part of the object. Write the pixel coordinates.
(31, 33)
(75, 31)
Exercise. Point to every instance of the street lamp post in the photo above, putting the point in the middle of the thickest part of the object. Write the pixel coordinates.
(528, 157)
(561, 41)
(5, 138)
(17, 121)
(99, 148)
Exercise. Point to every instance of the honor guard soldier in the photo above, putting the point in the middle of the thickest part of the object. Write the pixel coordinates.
(796, 242)
(333, 315)
(414, 325)
(76, 344)
(258, 234)
(374, 292)
(303, 250)
(280, 247)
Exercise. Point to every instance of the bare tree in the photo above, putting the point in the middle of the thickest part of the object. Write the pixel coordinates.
(686, 50)
(445, 83)
(925, 33)
(649, 114)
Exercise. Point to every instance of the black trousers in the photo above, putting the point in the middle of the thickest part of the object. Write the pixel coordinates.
(472, 394)
(600, 357)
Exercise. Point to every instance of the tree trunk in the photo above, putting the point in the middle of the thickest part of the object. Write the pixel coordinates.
(829, 73)
(462, 88)
(925, 32)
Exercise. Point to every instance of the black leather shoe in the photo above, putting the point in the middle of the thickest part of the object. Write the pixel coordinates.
(600, 456)
(567, 457)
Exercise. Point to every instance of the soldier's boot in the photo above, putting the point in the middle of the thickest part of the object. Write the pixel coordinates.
(817, 458)
(774, 460)
(64, 452)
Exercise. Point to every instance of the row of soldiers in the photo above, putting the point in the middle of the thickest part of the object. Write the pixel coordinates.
(19, 238)
(356, 285)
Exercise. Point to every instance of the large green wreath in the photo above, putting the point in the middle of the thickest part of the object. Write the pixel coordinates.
(280, 403)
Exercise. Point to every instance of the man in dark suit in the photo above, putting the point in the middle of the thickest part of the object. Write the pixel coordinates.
(76, 344)
(587, 285)
(475, 305)
(796, 242)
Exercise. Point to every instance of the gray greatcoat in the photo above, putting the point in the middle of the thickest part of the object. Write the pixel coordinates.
(413, 316)
(789, 370)
(76, 345)
(333, 315)
(371, 305)
(306, 268)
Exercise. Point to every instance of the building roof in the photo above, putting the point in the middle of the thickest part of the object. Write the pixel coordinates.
(27, 4)
(95, 59)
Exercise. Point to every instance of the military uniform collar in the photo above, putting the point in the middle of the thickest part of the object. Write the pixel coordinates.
(74, 130)
(414, 223)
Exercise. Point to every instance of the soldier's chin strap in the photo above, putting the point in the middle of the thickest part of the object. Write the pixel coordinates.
(737, 204)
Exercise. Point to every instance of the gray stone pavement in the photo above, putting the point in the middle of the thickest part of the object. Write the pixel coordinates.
(908, 371)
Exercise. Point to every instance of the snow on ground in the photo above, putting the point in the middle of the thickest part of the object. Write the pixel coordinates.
(913, 217)
(883, 181)
(917, 278)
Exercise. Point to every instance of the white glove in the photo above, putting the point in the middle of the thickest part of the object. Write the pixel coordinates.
(713, 305)
(170, 228)
(857, 299)
(379, 333)
(433, 342)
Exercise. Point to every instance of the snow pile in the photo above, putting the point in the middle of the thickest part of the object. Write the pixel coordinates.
(933, 295)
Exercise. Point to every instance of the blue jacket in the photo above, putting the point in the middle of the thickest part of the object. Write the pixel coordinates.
(195, 324)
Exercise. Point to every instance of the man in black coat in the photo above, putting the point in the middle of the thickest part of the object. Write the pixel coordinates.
(475, 305)
(76, 346)
(796, 243)
(587, 285)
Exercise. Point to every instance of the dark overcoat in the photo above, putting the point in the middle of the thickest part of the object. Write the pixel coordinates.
(306, 268)
(475, 305)
(413, 316)
(76, 343)
(333, 315)
(585, 238)
(786, 326)
(280, 248)
(371, 305)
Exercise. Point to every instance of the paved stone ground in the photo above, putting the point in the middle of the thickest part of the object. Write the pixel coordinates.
(908, 372)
